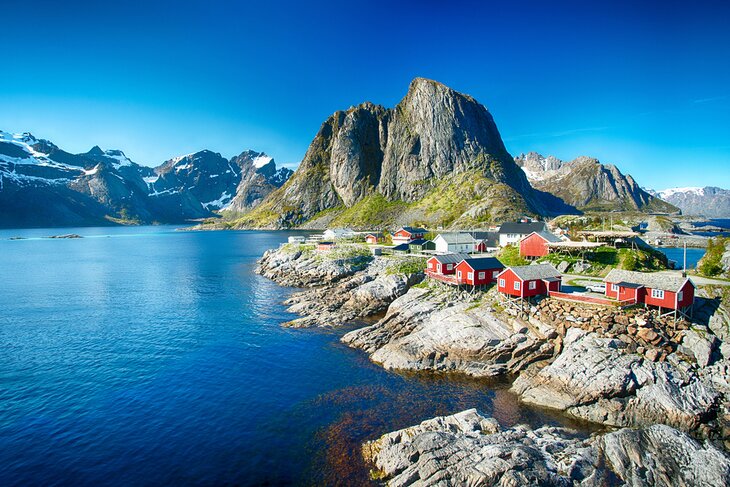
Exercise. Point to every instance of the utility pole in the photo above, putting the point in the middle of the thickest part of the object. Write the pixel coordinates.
(684, 264)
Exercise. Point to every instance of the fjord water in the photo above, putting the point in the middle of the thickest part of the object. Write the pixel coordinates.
(149, 356)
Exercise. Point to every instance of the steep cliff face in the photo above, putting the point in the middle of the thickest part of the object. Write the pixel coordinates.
(589, 185)
(403, 155)
(259, 176)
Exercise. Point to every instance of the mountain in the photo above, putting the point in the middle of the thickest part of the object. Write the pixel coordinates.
(42, 185)
(435, 159)
(710, 201)
(589, 185)
(259, 177)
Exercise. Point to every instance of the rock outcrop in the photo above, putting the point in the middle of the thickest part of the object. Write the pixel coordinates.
(345, 285)
(469, 449)
(443, 330)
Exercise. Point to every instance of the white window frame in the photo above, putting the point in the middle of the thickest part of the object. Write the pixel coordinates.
(614, 287)
(517, 285)
(495, 274)
(470, 276)
(501, 283)
(458, 274)
(482, 275)
(532, 285)
(680, 295)
(657, 293)
(449, 267)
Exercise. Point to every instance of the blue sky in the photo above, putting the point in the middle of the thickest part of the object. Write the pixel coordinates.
(645, 87)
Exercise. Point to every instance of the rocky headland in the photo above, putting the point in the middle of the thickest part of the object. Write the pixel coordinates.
(670, 380)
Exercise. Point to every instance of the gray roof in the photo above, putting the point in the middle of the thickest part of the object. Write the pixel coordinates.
(457, 237)
(490, 238)
(523, 228)
(413, 229)
(548, 236)
(451, 258)
(535, 271)
(652, 280)
(484, 263)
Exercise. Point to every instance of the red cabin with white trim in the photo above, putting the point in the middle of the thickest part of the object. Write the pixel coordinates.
(664, 290)
(444, 264)
(406, 234)
(478, 271)
(529, 280)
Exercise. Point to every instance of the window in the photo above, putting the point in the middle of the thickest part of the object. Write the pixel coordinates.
(533, 284)
(449, 266)
(459, 274)
(614, 288)
(481, 275)
(680, 295)
(657, 293)
(501, 283)
(517, 285)
(495, 274)
(470, 276)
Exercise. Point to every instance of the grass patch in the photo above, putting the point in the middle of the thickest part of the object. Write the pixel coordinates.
(510, 256)
(711, 263)
(407, 266)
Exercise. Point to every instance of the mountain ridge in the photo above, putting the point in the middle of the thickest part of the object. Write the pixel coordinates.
(589, 185)
(42, 185)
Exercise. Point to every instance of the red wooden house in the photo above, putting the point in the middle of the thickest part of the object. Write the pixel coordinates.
(527, 281)
(666, 291)
(325, 245)
(536, 244)
(478, 271)
(374, 238)
(444, 264)
(406, 234)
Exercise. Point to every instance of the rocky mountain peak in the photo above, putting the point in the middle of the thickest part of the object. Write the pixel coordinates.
(95, 151)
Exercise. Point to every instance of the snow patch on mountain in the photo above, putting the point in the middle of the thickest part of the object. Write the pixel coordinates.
(261, 161)
(667, 193)
(219, 204)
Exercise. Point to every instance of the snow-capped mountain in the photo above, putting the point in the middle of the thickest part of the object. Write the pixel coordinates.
(42, 185)
(708, 201)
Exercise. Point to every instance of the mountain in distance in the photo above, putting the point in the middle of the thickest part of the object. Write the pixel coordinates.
(588, 185)
(708, 201)
(42, 185)
(435, 159)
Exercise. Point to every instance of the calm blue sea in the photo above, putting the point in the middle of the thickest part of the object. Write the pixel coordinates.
(147, 356)
(677, 255)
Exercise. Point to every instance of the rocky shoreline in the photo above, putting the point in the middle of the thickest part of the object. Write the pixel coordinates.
(618, 369)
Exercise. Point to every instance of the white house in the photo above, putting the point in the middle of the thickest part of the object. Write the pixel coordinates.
(338, 233)
(300, 239)
(454, 243)
(513, 232)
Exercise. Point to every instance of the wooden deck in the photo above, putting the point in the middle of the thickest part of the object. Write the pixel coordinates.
(580, 298)
(448, 279)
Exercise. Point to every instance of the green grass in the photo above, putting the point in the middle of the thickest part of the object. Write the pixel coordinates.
(372, 211)
(510, 256)
(407, 266)
(711, 263)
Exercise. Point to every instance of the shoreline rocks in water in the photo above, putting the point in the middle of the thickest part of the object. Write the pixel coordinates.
(617, 368)
(469, 449)
(343, 286)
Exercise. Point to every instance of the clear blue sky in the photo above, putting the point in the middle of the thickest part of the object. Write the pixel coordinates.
(644, 87)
